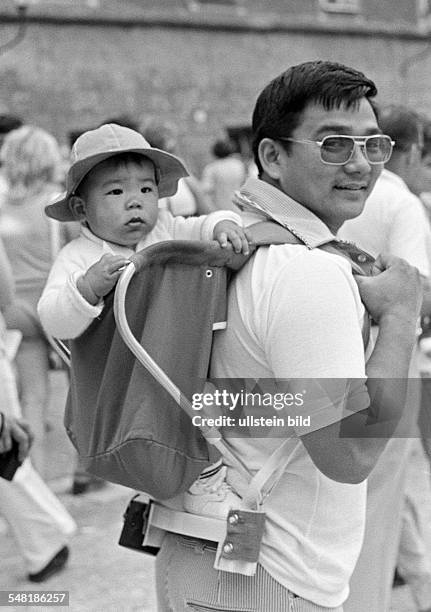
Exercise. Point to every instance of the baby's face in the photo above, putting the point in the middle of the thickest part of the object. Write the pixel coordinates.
(121, 200)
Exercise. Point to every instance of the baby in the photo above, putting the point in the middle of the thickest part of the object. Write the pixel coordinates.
(113, 186)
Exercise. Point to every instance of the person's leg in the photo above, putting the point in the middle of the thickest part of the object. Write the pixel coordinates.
(372, 579)
(414, 559)
(33, 367)
(83, 482)
(424, 419)
(40, 524)
(186, 581)
(371, 582)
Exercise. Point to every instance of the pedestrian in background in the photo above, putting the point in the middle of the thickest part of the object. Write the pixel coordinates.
(32, 165)
(393, 221)
(190, 199)
(39, 523)
(223, 176)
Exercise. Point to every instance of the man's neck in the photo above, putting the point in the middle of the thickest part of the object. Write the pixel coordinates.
(266, 198)
(267, 179)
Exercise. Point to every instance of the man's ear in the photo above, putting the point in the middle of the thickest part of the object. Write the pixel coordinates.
(77, 206)
(269, 155)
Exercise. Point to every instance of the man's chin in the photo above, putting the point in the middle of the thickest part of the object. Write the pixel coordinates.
(354, 204)
(349, 210)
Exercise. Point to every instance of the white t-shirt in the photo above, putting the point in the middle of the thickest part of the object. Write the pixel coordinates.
(296, 313)
(393, 221)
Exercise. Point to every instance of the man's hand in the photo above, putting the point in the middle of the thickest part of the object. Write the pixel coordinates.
(101, 277)
(229, 231)
(15, 429)
(396, 291)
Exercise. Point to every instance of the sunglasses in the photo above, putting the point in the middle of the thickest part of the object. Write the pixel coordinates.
(339, 150)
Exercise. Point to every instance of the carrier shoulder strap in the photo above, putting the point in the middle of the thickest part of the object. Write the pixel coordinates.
(363, 264)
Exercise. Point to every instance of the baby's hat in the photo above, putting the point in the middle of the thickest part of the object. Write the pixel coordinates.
(95, 146)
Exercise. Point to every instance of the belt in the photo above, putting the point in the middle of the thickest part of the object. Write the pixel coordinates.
(209, 544)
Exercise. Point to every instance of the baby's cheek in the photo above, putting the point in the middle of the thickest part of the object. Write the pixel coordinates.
(150, 225)
(153, 217)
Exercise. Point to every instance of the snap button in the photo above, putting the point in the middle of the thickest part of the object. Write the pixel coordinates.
(228, 548)
(362, 258)
(208, 273)
(233, 519)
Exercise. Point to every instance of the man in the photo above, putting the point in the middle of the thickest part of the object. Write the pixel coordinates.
(295, 313)
(393, 221)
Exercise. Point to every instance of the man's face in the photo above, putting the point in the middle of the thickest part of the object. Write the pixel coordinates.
(333, 193)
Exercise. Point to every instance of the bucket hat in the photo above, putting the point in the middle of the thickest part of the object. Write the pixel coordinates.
(108, 140)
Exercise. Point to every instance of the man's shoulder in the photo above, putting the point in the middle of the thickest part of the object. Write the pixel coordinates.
(287, 261)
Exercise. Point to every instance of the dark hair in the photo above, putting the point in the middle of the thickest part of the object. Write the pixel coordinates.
(9, 123)
(402, 124)
(280, 105)
(222, 148)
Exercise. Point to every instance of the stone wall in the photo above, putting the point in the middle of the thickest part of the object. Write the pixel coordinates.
(71, 76)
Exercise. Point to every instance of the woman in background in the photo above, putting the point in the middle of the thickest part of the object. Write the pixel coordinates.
(32, 166)
(39, 523)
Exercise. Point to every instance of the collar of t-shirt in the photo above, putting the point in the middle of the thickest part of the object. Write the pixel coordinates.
(257, 196)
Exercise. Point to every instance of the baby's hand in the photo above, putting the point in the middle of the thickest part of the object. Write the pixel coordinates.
(101, 277)
(229, 231)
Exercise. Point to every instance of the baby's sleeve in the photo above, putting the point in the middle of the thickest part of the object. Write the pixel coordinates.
(196, 228)
(62, 310)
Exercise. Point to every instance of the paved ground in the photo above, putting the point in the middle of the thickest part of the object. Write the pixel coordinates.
(101, 576)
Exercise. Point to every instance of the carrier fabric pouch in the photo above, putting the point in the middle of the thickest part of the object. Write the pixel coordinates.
(125, 426)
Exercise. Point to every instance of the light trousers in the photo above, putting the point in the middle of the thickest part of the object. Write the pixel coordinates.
(387, 518)
(33, 368)
(414, 556)
(39, 522)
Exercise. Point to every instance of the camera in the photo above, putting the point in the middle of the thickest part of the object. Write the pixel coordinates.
(135, 526)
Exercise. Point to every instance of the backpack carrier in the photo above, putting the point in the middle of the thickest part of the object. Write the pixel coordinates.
(130, 419)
